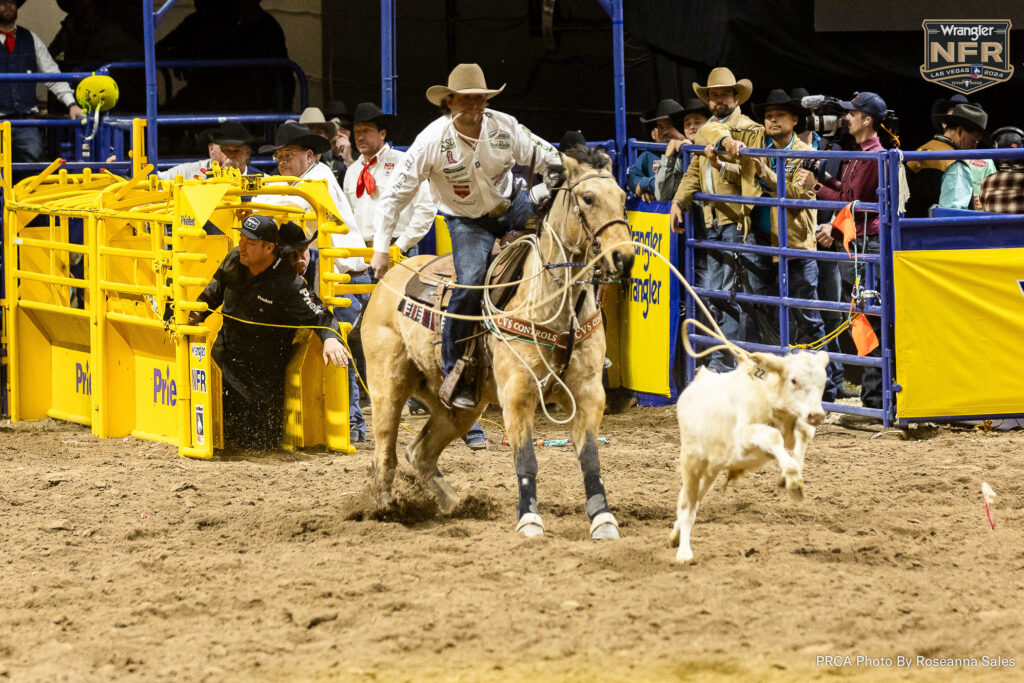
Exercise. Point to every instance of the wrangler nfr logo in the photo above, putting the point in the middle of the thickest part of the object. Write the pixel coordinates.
(966, 55)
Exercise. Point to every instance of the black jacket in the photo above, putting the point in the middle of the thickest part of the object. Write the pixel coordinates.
(253, 358)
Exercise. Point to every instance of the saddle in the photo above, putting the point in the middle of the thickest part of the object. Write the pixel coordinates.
(431, 288)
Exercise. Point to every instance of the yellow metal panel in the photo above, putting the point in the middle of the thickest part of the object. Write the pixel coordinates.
(646, 316)
(958, 316)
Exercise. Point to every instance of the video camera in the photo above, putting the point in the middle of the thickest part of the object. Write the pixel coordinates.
(826, 117)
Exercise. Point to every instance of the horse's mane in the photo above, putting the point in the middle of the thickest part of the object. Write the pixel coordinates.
(595, 157)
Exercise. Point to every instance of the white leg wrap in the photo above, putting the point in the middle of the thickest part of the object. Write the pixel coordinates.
(530, 525)
(604, 526)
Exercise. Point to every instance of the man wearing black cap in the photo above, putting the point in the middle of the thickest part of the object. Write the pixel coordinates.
(642, 173)
(255, 285)
(22, 51)
(370, 176)
(858, 181)
(946, 182)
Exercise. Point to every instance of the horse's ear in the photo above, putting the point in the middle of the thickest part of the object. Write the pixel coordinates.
(570, 164)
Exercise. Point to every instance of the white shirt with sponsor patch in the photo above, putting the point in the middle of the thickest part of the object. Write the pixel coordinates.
(415, 219)
(354, 238)
(466, 180)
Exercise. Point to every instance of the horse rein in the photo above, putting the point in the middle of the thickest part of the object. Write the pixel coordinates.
(594, 235)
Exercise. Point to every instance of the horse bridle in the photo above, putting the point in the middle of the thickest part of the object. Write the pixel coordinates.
(594, 235)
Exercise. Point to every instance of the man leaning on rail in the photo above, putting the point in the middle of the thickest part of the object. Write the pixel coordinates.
(784, 119)
(263, 300)
(467, 154)
(725, 222)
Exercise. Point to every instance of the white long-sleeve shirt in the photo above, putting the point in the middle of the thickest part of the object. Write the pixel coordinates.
(62, 91)
(353, 239)
(415, 219)
(465, 180)
(194, 169)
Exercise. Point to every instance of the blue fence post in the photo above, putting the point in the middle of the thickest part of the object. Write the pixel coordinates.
(783, 228)
(614, 10)
(387, 56)
(689, 272)
(885, 282)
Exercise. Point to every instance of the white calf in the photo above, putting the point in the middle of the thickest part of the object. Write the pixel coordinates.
(739, 420)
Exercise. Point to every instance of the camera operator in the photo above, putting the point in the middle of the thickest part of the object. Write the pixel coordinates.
(858, 180)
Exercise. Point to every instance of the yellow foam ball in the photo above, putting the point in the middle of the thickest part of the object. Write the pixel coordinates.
(96, 92)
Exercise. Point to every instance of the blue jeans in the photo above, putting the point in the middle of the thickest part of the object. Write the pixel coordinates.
(28, 144)
(805, 324)
(356, 423)
(830, 288)
(472, 240)
(871, 384)
(722, 276)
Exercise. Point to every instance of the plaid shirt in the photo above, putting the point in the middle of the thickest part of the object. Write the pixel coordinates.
(1004, 191)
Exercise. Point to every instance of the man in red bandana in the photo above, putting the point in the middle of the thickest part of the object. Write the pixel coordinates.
(370, 176)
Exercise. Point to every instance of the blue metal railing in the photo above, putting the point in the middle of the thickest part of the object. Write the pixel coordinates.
(783, 301)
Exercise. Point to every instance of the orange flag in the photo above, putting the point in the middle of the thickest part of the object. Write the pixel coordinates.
(844, 223)
(863, 336)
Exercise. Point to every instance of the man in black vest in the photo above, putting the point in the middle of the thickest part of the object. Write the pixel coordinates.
(21, 51)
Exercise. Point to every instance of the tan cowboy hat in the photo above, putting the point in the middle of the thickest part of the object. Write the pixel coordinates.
(721, 77)
(312, 116)
(466, 79)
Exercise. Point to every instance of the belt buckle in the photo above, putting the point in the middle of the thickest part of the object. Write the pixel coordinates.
(500, 210)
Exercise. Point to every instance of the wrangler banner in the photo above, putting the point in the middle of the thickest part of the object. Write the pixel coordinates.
(649, 318)
(959, 316)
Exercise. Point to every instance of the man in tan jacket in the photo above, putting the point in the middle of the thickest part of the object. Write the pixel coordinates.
(726, 222)
(784, 119)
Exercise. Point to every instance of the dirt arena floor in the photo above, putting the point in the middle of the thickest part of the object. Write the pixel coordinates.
(119, 560)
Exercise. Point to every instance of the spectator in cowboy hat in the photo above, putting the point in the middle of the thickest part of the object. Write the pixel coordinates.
(784, 118)
(724, 221)
(295, 247)
(944, 105)
(370, 176)
(296, 149)
(946, 182)
(237, 145)
(693, 115)
(198, 169)
(642, 173)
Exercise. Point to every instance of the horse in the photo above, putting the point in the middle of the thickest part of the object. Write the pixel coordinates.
(586, 222)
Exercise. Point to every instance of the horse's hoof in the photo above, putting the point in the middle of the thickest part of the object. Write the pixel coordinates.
(684, 555)
(446, 496)
(530, 525)
(604, 527)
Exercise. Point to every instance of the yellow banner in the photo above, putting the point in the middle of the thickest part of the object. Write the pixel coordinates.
(959, 316)
(650, 313)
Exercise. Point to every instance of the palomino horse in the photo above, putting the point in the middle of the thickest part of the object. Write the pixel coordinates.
(586, 221)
